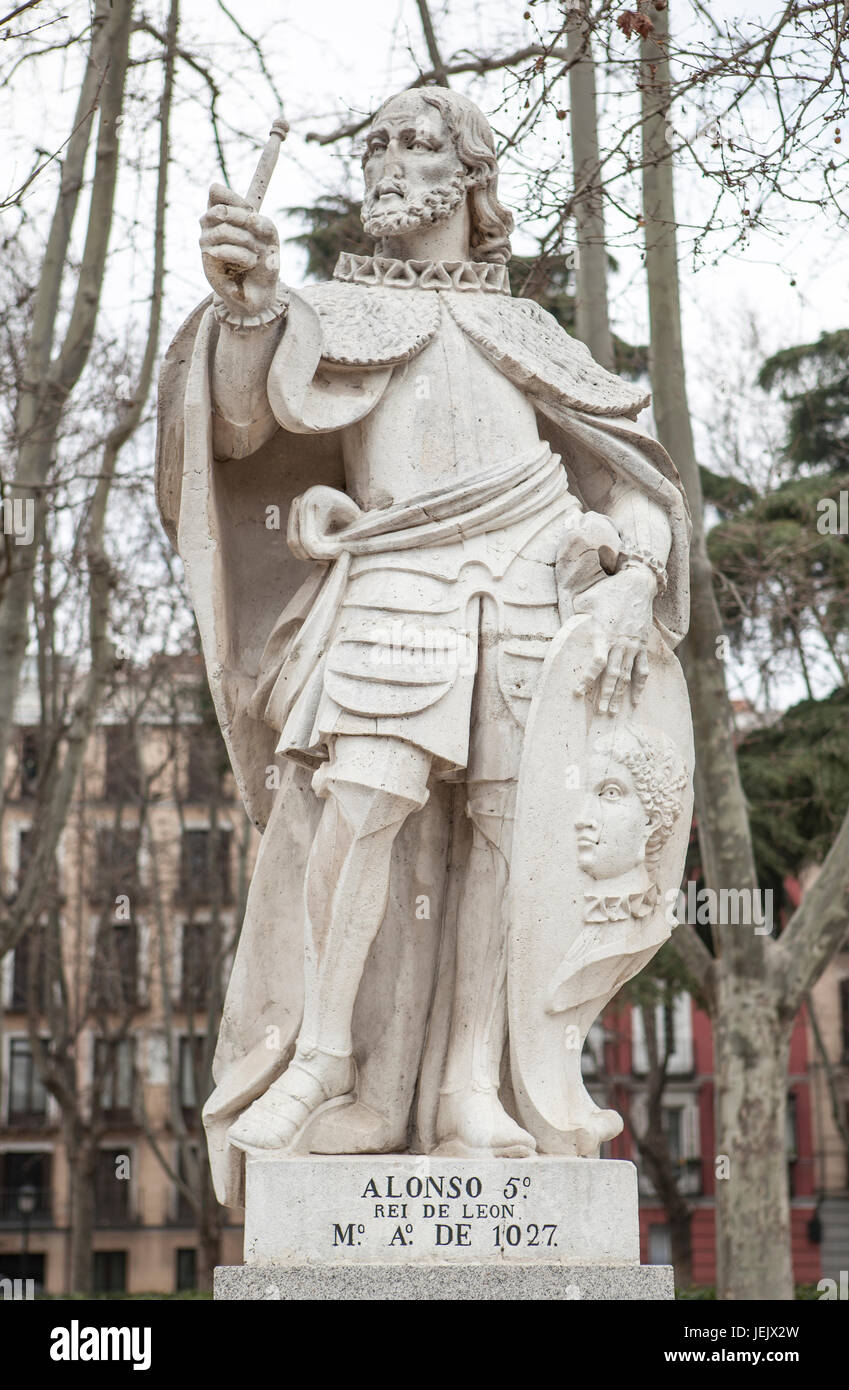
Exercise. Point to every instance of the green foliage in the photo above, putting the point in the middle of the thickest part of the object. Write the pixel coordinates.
(776, 565)
(796, 779)
(333, 225)
(815, 382)
(727, 494)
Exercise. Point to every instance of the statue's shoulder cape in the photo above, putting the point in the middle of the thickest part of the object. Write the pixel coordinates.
(377, 326)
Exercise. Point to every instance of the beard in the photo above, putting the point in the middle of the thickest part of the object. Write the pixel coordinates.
(436, 206)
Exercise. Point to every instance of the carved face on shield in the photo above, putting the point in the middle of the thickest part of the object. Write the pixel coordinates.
(631, 804)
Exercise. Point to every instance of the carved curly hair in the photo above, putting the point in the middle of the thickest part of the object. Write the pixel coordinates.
(659, 775)
(491, 222)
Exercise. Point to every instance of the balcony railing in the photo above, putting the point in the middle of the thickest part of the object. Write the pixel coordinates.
(10, 1212)
(30, 1119)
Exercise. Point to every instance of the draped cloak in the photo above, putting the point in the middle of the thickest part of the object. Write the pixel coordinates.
(228, 519)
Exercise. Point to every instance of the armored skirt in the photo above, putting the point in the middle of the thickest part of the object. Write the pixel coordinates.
(442, 646)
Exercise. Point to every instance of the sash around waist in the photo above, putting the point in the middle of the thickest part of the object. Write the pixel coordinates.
(325, 523)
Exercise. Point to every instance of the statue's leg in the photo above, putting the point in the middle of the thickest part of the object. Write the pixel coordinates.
(470, 1116)
(394, 1000)
(370, 786)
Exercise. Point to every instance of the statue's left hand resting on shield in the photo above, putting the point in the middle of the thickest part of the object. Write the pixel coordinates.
(437, 568)
(622, 609)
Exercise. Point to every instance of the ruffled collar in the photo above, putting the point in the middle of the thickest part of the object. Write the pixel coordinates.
(422, 275)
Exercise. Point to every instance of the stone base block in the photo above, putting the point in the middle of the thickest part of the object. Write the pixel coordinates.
(419, 1283)
(408, 1210)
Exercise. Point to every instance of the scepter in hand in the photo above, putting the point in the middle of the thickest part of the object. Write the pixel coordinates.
(241, 249)
(267, 161)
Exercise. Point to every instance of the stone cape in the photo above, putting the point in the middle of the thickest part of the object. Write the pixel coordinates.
(217, 509)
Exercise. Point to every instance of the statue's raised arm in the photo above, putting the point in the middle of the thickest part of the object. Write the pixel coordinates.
(240, 250)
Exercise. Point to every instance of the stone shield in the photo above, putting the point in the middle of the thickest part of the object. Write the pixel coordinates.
(573, 943)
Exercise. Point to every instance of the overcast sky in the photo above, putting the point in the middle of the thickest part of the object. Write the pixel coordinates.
(335, 57)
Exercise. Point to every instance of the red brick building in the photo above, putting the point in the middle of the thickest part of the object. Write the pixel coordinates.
(689, 1117)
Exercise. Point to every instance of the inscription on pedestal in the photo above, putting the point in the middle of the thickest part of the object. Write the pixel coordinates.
(445, 1211)
(411, 1210)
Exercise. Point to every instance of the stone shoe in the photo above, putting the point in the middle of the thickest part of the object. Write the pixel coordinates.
(314, 1082)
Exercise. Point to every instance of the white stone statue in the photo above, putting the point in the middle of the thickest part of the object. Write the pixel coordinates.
(438, 572)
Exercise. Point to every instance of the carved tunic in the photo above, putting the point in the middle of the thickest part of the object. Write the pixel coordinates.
(409, 625)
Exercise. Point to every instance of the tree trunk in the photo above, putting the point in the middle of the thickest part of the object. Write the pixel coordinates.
(724, 835)
(209, 1231)
(592, 323)
(751, 1050)
(48, 378)
(57, 790)
(753, 1233)
(82, 1162)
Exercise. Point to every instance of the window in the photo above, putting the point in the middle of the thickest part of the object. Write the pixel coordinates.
(790, 1141)
(29, 970)
(114, 1073)
(186, 1270)
(25, 1170)
(681, 1057)
(680, 1121)
(117, 862)
(673, 1124)
(186, 1214)
(112, 1188)
(205, 865)
(28, 1266)
(195, 970)
(192, 1072)
(27, 1096)
(29, 762)
(790, 1128)
(114, 974)
(207, 763)
(122, 780)
(660, 1245)
(110, 1271)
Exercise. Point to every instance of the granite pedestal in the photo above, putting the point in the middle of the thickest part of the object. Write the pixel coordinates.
(421, 1228)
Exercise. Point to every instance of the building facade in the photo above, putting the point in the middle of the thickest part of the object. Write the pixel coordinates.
(120, 986)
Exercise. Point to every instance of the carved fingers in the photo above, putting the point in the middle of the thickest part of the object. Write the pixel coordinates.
(240, 249)
(597, 663)
(621, 664)
(639, 674)
(618, 675)
(621, 611)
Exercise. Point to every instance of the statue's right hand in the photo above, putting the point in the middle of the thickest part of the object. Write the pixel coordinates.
(241, 252)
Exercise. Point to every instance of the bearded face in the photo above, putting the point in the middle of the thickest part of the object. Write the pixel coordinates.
(393, 207)
(413, 176)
